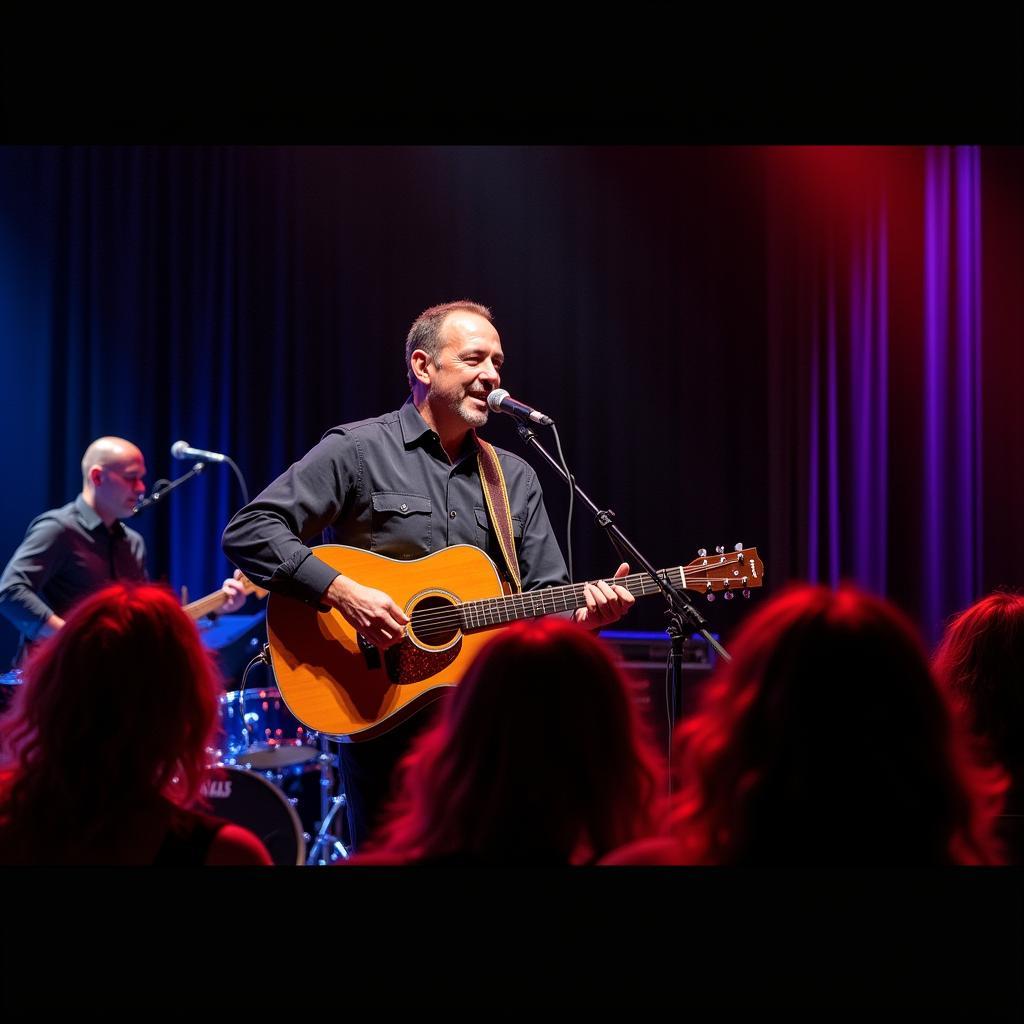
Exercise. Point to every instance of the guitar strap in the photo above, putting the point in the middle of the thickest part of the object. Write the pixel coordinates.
(496, 496)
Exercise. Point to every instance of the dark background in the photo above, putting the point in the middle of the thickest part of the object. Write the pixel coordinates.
(658, 75)
(654, 300)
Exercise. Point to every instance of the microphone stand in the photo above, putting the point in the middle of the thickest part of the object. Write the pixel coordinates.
(158, 494)
(683, 617)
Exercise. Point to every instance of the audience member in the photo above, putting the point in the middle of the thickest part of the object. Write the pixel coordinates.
(106, 742)
(535, 758)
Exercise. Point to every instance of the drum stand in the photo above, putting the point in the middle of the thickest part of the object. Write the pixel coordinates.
(330, 803)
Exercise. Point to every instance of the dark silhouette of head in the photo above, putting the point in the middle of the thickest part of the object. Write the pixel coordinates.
(116, 712)
(981, 661)
(536, 757)
(827, 741)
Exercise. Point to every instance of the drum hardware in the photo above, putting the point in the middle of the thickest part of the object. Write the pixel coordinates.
(261, 738)
(330, 803)
(258, 729)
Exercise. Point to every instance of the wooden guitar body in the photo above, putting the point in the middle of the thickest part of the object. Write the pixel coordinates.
(329, 675)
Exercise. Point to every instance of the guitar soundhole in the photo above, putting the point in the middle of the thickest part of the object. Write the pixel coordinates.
(435, 621)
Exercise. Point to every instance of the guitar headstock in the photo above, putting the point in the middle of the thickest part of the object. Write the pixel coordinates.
(737, 571)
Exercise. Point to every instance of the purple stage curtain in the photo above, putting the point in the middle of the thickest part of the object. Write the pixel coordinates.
(875, 335)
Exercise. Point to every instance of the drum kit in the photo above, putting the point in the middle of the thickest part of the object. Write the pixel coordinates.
(271, 775)
(274, 777)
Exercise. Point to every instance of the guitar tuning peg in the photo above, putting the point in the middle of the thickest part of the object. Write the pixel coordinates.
(738, 546)
(702, 552)
(740, 557)
(746, 593)
(728, 595)
(710, 596)
(719, 550)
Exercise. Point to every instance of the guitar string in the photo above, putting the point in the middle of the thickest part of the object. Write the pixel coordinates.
(482, 612)
(429, 622)
(641, 580)
(451, 613)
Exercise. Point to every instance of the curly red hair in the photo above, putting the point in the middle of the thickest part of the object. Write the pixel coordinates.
(537, 757)
(116, 710)
(981, 661)
(827, 741)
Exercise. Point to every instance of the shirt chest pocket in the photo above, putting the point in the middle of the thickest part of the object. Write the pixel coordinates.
(400, 526)
(487, 539)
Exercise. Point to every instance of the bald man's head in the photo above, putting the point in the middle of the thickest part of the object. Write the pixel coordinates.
(113, 471)
(107, 450)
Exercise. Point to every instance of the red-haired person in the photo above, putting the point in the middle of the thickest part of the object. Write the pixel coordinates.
(826, 741)
(535, 758)
(981, 662)
(105, 742)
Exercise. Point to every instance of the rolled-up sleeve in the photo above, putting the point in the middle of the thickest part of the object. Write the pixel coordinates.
(266, 539)
(39, 556)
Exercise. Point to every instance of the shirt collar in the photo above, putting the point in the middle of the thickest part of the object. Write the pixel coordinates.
(90, 519)
(87, 514)
(415, 427)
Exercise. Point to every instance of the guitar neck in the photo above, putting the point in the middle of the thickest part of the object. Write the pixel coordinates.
(496, 611)
(205, 605)
(212, 602)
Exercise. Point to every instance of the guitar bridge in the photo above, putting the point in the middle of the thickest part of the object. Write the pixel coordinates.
(370, 653)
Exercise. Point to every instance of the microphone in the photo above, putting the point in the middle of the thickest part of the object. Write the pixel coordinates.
(499, 400)
(181, 450)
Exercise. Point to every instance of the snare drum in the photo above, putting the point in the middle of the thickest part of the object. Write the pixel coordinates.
(246, 798)
(259, 731)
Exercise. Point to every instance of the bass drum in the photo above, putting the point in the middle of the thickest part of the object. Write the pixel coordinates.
(247, 799)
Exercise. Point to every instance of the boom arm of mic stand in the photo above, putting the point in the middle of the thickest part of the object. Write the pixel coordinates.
(605, 518)
(156, 496)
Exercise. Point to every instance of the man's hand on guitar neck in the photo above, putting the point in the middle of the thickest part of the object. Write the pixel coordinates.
(371, 612)
(605, 604)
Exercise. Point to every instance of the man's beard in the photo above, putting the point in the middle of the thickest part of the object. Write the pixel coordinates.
(474, 417)
(459, 404)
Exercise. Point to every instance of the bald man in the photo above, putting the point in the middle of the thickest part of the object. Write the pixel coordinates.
(68, 552)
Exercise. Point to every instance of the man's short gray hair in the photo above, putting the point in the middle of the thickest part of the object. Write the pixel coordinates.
(425, 332)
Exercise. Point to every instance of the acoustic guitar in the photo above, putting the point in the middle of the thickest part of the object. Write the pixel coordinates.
(335, 682)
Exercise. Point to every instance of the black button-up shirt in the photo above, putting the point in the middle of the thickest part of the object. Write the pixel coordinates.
(386, 485)
(67, 553)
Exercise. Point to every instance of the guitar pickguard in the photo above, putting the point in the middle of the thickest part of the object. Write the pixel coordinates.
(407, 663)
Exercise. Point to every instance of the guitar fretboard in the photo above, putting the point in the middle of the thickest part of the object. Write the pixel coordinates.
(210, 603)
(205, 605)
(496, 611)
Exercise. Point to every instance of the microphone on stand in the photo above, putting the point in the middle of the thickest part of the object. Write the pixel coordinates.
(499, 400)
(181, 450)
